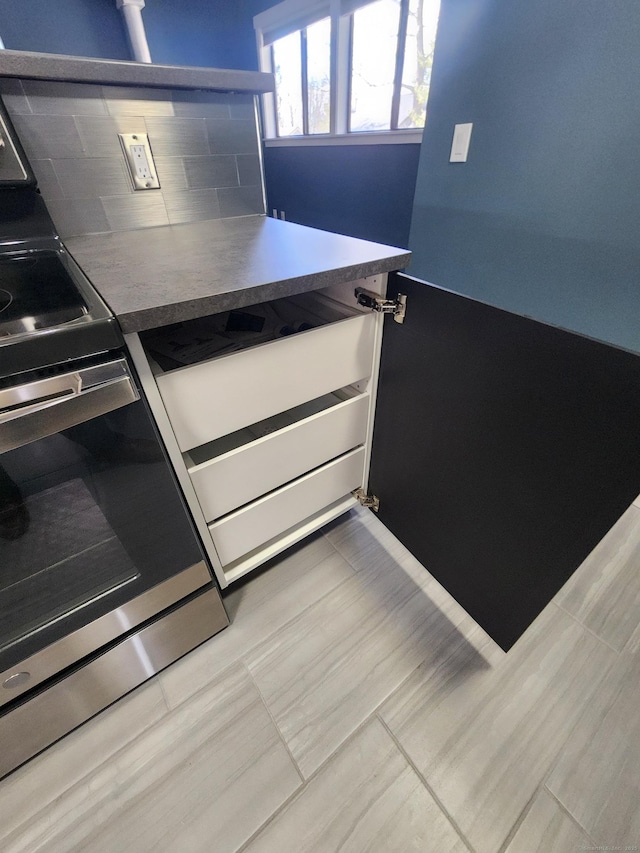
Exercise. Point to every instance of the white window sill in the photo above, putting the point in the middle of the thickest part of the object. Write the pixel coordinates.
(385, 137)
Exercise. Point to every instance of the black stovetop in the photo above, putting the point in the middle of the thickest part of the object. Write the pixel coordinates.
(49, 313)
(36, 293)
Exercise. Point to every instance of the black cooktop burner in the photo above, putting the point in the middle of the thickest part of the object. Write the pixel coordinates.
(49, 313)
(36, 292)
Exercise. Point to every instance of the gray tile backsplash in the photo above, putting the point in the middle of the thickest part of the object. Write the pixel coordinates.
(99, 134)
(45, 136)
(211, 172)
(125, 212)
(205, 146)
(171, 173)
(14, 97)
(176, 137)
(135, 101)
(237, 136)
(202, 105)
(249, 169)
(242, 108)
(47, 179)
(239, 201)
(84, 216)
(48, 97)
(92, 177)
(192, 205)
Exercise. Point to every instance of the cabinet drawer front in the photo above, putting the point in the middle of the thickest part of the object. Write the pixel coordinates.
(263, 520)
(240, 476)
(211, 399)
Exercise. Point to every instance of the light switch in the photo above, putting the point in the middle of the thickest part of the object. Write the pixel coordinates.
(460, 144)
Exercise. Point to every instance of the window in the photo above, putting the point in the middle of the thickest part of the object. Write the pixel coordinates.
(301, 62)
(347, 67)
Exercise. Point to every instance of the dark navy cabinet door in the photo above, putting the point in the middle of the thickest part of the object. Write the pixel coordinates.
(503, 450)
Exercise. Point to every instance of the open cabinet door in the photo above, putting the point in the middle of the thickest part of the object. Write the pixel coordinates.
(503, 450)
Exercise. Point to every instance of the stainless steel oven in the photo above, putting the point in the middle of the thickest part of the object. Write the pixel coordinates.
(103, 581)
(94, 543)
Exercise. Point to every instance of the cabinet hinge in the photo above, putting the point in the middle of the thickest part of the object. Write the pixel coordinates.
(370, 501)
(397, 307)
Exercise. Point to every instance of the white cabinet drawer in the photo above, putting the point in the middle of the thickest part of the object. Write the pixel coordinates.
(243, 474)
(263, 520)
(211, 399)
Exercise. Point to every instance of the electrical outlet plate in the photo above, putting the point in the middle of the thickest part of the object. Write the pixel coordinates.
(142, 169)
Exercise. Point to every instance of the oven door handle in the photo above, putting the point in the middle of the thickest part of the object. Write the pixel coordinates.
(37, 409)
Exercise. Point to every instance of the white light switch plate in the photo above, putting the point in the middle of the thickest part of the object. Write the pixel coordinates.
(460, 144)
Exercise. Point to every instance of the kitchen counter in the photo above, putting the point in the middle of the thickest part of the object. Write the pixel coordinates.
(79, 69)
(156, 276)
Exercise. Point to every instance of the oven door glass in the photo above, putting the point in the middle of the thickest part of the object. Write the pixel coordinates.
(90, 517)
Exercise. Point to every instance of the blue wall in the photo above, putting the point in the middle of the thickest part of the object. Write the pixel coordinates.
(543, 219)
(201, 32)
(76, 27)
(192, 32)
(361, 190)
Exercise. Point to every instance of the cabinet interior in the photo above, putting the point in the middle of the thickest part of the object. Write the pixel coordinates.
(191, 342)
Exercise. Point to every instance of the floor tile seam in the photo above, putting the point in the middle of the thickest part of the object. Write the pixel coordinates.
(573, 765)
(586, 627)
(377, 709)
(246, 656)
(398, 559)
(374, 713)
(421, 777)
(229, 590)
(217, 676)
(71, 792)
(580, 720)
(486, 694)
(388, 555)
(307, 782)
(372, 609)
(485, 698)
(240, 660)
(275, 724)
(520, 819)
(339, 552)
(633, 640)
(343, 743)
(256, 702)
(95, 768)
(273, 816)
(165, 698)
(373, 623)
(379, 546)
(420, 586)
(344, 556)
(248, 652)
(568, 813)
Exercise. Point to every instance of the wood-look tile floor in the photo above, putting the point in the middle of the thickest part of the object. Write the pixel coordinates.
(354, 706)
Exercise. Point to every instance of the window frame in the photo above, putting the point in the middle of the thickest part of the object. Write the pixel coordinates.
(295, 16)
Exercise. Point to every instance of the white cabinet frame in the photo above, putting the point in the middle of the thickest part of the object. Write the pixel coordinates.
(177, 450)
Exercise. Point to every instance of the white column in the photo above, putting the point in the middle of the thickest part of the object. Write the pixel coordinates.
(132, 11)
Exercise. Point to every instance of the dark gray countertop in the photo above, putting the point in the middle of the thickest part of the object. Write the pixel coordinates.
(80, 69)
(156, 276)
